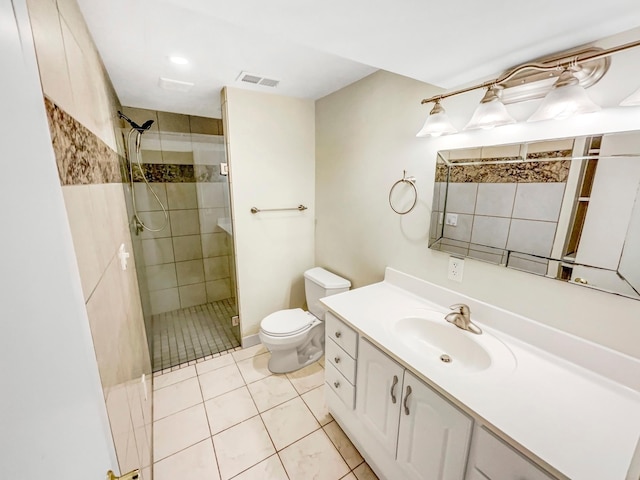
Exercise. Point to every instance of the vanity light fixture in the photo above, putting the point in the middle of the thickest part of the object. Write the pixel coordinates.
(437, 123)
(565, 100)
(491, 112)
(631, 100)
(575, 71)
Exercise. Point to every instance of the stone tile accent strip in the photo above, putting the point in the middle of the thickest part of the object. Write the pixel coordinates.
(517, 172)
(82, 158)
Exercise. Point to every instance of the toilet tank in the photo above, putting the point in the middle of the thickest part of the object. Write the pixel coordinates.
(319, 283)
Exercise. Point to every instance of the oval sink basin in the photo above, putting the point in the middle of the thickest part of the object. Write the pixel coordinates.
(454, 348)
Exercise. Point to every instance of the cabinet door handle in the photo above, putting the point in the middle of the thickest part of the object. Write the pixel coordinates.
(336, 359)
(406, 398)
(393, 387)
(336, 384)
(338, 334)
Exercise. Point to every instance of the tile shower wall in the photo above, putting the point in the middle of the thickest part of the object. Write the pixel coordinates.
(495, 214)
(189, 261)
(81, 108)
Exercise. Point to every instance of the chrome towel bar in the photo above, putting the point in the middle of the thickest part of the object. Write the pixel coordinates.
(257, 210)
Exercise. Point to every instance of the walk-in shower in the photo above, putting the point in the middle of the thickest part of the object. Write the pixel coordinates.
(178, 200)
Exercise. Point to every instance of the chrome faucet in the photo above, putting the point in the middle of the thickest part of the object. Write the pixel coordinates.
(461, 318)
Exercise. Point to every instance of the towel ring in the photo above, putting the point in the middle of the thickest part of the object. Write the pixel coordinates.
(411, 181)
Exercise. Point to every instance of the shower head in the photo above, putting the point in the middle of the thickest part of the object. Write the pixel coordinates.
(141, 129)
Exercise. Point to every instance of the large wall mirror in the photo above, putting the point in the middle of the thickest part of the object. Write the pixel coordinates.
(564, 208)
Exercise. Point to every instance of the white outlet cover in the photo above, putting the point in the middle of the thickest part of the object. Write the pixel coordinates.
(452, 219)
(456, 269)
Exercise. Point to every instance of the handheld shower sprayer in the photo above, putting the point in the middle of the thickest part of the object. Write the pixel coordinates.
(145, 126)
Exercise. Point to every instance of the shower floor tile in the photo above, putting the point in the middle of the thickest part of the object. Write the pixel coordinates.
(190, 333)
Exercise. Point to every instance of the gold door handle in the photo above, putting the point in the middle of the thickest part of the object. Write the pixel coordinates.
(132, 475)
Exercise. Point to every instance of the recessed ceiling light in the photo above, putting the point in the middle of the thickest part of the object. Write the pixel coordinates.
(178, 60)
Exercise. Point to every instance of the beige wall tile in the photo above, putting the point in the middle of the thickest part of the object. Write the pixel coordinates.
(204, 125)
(52, 61)
(184, 222)
(182, 196)
(190, 272)
(145, 199)
(173, 122)
(218, 290)
(214, 244)
(160, 277)
(157, 251)
(187, 248)
(216, 268)
(191, 295)
(164, 300)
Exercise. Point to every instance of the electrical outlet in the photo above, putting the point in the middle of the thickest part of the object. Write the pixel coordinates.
(456, 268)
(452, 219)
(235, 321)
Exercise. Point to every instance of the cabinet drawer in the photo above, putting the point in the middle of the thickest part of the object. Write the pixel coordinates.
(344, 336)
(339, 359)
(339, 385)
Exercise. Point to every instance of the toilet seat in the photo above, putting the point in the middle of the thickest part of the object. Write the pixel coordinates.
(285, 323)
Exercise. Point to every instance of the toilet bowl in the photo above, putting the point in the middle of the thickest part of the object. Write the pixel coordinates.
(295, 337)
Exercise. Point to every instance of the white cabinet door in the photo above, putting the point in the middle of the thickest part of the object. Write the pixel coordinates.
(434, 435)
(378, 387)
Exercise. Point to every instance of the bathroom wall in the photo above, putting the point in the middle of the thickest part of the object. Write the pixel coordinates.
(365, 137)
(270, 147)
(52, 411)
(188, 262)
(81, 108)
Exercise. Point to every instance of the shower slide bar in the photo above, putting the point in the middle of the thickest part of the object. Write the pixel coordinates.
(300, 208)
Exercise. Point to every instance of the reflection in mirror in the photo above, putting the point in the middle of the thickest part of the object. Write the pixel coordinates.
(566, 209)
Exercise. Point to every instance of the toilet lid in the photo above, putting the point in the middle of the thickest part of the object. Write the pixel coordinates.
(287, 322)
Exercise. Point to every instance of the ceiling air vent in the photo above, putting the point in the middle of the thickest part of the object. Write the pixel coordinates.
(257, 80)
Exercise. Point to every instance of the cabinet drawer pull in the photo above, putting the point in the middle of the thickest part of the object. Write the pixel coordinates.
(336, 359)
(393, 387)
(406, 398)
(338, 334)
(336, 384)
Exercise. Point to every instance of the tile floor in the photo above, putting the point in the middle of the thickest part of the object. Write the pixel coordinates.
(190, 333)
(229, 417)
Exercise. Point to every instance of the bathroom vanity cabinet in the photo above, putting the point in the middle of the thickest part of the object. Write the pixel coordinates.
(404, 421)
(404, 428)
(427, 436)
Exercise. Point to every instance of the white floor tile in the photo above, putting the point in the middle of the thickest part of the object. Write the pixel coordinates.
(214, 364)
(316, 402)
(269, 469)
(289, 422)
(197, 462)
(176, 397)
(167, 379)
(220, 381)
(229, 409)
(364, 472)
(271, 391)
(241, 447)
(245, 353)
(313, 457)
(179, 431)
(255, 368)
(307, 378)
(321, 361)
(343, 444)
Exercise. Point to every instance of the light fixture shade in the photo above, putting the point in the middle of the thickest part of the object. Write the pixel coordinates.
(631, 100)
(490, 113)
(437, 123)
(565, 100)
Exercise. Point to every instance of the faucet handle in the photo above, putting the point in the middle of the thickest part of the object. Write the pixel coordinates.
(461, 308)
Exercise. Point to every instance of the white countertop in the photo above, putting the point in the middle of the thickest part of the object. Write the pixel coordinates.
(581, 423)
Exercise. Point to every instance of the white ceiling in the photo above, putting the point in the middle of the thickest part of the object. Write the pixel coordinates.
(317, 47)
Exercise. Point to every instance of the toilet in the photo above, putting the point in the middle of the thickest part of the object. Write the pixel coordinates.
(294, 337)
